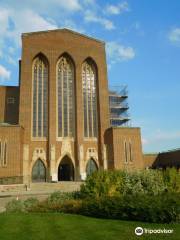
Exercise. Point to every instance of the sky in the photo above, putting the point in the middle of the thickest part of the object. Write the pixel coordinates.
(142, 49)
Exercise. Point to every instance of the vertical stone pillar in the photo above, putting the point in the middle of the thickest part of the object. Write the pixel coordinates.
(105, 157)
(53, 170)
(81, 163)
(26, 165)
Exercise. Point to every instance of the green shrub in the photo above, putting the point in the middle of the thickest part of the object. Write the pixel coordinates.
(71, 206)
(103, 183)
(143, 182)
(59, 197)
(30, 204)
(40, 207)
(15, 206)
(171, 178)
(163, 208)
(116, 183)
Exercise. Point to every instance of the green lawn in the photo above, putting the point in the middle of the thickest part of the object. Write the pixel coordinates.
(54, 226)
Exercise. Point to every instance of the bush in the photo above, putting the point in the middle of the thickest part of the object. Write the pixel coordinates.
(72, 206)
(117, 183)
(103, 183)
(143, 182)
(15, 206)
(30, 204)
(164, 208)
(171, 179)
(59, 197)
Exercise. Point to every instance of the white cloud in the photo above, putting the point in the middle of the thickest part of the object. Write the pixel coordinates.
(4, 73)
(4, 24)
(4, 19)
(43, 6)
(117, 9)
(31, 22)
(11, 60)
(160, 136)
(71, 25)
(145, 141)
(70, 5)
(174, 35)
(165, 135)
(23, 21)
(117, 52)
(92, 17)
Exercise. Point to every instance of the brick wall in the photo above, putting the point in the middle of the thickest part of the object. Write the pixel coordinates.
(163, 160)
(13, 135)
(116, 138)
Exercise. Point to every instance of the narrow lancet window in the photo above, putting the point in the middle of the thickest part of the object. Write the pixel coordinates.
(40, 97)
(65, 97)
(89, 99)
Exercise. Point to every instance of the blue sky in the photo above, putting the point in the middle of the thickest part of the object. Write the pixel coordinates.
(143, 51)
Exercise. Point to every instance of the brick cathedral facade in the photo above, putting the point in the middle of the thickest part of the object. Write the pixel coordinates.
(55, 125)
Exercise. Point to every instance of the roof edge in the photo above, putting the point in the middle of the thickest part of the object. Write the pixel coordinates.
(63, 29)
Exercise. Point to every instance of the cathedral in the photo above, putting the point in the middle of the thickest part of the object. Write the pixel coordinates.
(55, 126)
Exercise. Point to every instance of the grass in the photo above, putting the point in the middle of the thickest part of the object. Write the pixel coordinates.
(54, 226)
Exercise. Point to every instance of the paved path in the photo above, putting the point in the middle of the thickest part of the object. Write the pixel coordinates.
(40, 190)
(21, 196)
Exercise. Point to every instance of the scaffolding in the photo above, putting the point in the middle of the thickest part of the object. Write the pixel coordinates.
(118, 106)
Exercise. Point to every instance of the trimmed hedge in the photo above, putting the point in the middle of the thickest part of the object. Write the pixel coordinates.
(164, 208)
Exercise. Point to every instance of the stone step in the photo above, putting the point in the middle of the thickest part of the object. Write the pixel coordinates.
(42, 187)
(64, 186)
(12, 188)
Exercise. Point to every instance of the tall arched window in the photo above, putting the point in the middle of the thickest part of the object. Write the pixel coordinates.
(40, 97)
(65, 97)
(89, 76)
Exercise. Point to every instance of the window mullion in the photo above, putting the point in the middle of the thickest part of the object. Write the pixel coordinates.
(87, 103)
(92, 113)
(37, 98)
(42, 102)
(62, 100)
(67, 99)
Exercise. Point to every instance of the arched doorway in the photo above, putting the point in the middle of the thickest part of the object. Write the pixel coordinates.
(91, 167)
(39, 172)
(66, 170)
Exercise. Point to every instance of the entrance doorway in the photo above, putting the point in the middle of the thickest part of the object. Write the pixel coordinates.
(39, 172)
(66, 170)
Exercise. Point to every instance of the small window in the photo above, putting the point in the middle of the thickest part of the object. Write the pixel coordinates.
(0, 153)
(130, 152)
(10, 100)
(125, 151)
(5, 155)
